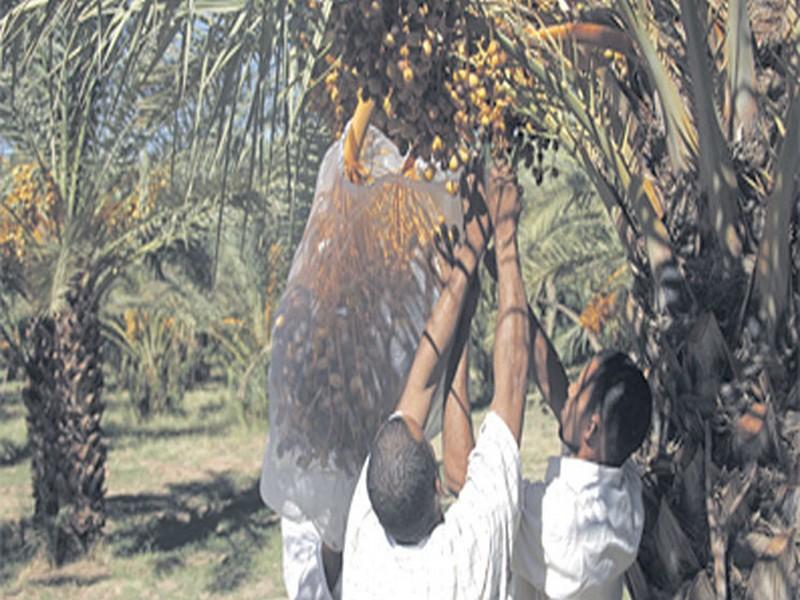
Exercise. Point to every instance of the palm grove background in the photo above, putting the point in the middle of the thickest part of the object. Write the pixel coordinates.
(158, 160)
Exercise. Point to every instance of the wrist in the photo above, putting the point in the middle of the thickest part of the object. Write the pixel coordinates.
(505, 241)
(467, 258)
(478, 242)
(506, 227)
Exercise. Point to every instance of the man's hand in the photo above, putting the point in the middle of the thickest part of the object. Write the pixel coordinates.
(465, 253)
(445, 242)
(503, 200)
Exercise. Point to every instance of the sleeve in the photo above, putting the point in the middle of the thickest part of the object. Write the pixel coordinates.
(528, 560)
(563, 528)
(303, 572)
(493, 472)
(596, 543)
(356, 551)
(611, 534)
(483, 520)
(360, 510)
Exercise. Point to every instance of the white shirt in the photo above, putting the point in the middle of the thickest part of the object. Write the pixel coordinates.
(466, 556)
(303, 571)
(579, 531)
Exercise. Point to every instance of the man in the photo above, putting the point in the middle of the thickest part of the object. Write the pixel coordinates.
(311, 569)
(313, 500)
(581, 527)
(398, 542)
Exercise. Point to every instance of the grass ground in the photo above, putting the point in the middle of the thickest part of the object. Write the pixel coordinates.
(184, 516)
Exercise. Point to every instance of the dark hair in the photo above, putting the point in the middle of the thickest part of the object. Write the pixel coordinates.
(625, 401)
(401, 483)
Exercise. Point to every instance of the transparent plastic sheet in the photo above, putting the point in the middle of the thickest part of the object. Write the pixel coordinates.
(361, 286)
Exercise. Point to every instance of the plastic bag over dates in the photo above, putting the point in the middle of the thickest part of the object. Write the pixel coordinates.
(361, 286)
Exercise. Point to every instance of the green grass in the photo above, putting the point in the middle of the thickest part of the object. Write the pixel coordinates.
(184, 516)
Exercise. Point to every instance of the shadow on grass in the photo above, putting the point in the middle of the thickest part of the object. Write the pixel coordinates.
(165, 566)
(8, 412)
(210, 409)
(11, 406)
(212, 515)
(12, 454)
(18, 545)
(76, 580)
(125, 435)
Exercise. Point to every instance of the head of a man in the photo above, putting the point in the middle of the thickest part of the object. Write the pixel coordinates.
(403, 482)
(607, 414)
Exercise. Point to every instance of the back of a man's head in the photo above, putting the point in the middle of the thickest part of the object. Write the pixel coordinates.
(626, 405)
(401, 483)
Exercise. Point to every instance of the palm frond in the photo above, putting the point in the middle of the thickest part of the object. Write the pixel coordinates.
(717, 174)
(176, 79)
(741, 98)
(682, 137)
(773, 267)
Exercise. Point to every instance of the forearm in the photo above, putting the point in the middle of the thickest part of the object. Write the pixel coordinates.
(457, 435)
(512, 336)
(546, 369)
(430, 359)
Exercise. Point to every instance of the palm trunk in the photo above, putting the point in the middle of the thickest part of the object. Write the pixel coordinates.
(63, 400)
(722, 485)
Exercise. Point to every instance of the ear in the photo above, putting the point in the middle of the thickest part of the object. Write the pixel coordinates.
(591, 431)
(438, 485)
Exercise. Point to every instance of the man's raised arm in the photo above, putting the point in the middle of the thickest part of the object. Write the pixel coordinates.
(512, 335)
(545, 368)
(547, 371)
(458, 438)
(430, 359)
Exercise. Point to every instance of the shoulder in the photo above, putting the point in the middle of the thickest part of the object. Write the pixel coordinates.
(493, 468)
(592, 519)
(480, 527)
(591, 494)
(360, 502)
(365, 545)
(632, 479)
(361, 518)
(496, 445)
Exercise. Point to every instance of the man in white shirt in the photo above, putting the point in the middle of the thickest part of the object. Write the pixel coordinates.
(580, 528)
(311, 569)
(398, 543)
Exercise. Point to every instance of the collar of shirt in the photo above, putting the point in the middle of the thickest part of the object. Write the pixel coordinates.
(582, 474)
(403, 549)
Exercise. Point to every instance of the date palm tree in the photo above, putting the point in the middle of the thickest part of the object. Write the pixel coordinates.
(685, 117)
(135, 124)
